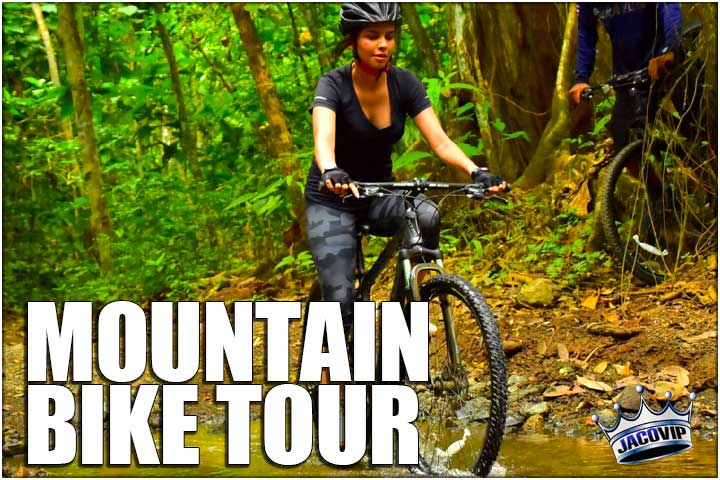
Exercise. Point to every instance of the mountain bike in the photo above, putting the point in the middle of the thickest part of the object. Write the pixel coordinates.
(463, 406)
(659, 197)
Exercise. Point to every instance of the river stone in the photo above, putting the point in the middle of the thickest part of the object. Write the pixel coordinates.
(215, 423)
(513, 420)
(541, 292)
(475, 409)
(479, 389)
(516, 380)
(629, 399)
(534, 408)
(608, 416)
(516, 395)
(534, 424)
(12, 447)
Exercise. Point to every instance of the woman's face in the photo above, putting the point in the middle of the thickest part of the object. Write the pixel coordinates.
(375, 44)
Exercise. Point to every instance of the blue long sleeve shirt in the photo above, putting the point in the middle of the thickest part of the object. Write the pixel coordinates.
(638, 32)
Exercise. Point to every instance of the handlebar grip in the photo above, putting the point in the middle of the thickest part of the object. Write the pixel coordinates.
(586, 95)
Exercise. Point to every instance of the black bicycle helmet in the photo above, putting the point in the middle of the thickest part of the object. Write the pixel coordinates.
(355, 15)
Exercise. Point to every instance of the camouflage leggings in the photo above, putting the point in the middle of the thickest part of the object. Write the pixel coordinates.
(332, 235)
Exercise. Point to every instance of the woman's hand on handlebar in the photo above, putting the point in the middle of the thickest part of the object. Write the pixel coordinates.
(338, 181)
(490, 182)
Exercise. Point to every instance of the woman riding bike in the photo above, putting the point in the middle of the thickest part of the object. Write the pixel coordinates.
(359, 113)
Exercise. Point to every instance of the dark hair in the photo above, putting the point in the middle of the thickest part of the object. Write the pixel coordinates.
(347, 40)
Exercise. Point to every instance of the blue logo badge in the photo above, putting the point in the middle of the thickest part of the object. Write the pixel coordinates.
(649, 434)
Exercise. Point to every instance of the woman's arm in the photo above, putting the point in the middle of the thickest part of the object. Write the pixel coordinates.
(445, 148)
(438, 140)
(324, 137)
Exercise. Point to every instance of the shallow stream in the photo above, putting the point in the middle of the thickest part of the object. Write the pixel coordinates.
(521, 456)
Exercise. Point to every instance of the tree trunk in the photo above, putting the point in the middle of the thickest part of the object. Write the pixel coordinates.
(99, 216)
(517, 72)
(412, 20)
(297, 45)
(187, 134)
(65, 124)
(281, 146)
(463, 45)
(311, 13)
(543, 162)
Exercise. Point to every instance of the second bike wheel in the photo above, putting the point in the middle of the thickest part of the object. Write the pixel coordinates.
(463, 407)
(632, 220)
(659, 205)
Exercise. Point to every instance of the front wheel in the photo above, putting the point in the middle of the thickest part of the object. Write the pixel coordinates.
(463, 406)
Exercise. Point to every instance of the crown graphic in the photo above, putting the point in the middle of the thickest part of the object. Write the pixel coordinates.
(649, 434)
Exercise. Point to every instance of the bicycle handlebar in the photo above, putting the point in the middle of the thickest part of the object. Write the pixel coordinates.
(420, 185)
(630, 79)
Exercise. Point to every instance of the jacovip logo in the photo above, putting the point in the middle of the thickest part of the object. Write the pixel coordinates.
(649, 434)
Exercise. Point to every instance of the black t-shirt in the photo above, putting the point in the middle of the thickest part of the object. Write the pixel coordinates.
(362, 149)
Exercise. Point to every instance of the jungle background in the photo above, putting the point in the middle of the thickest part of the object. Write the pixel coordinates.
(159, 152)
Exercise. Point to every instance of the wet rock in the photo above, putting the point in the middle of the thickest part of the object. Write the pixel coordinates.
(629, 399)
(479, 389)
(498, 470)
(215, 423)
(540, 292)
(534, 424)
(517, 380)
(513, 420)
(607, 416)
(475, 410)
(534, 409)
(519, 393)
(12, 447)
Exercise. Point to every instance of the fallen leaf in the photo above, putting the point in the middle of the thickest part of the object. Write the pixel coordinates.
(558, 391)
(593, 384)
(583, 404)
(712, 293)
(581, 200)
(591, 301)
(20, 472)
(600, 367)
(671, 295)
(681, 375)
(607, 291)
(563, 352)
(702, 336)
(611, 317)
(631, 380)
(623, 370)
(542, 348)
(712, 262)
(676, 390)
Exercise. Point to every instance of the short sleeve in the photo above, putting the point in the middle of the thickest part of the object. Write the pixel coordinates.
(326, 94)
(416, 99)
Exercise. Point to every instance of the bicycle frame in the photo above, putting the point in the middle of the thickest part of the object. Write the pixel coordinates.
(407, 244)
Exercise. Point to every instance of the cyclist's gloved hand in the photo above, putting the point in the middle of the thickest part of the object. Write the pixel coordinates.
(337, 181)
(660, 65)
(489, 181)
(576, 92)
